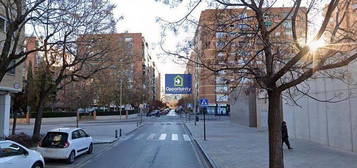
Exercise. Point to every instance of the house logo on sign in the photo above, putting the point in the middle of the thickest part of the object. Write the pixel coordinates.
(178, 81)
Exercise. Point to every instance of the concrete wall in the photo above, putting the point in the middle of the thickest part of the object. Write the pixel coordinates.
(332, 124)
(243, 107)
(5, 101)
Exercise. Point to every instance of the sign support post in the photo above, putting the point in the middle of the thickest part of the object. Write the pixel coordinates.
(204, 104)
(204, 123)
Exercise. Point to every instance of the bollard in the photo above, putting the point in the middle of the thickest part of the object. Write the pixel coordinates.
(120, 132)
(116, 133)
(137, 124)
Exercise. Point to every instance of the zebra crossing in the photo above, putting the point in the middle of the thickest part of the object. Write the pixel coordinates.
(161, 137)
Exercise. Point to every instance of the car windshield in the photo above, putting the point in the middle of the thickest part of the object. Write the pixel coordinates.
(54, 140)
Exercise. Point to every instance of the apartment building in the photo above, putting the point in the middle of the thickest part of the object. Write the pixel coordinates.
(130, 68)
(225, 40)
(11, 83)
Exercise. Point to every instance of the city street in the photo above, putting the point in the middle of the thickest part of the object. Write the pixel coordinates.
(162, 142)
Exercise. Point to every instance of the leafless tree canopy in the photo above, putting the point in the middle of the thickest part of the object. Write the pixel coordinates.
(274, 48)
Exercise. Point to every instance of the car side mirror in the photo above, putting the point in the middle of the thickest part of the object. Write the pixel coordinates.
(25, 152)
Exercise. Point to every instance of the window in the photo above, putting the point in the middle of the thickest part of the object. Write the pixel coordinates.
(243, 26)
(289, 33)
(2, 24)
(220, 80)
(221, 98)
(287, 25)
(82, 133)
(277, 34)
(268, 23)
(222, 72)
(259, 62)
(233, 34)
(241, 62)
(75, 135)
(128, 39)
(285, 14)
(130, 45)
(221, 54)
(243, 16)
(12, 71)
(10, 149)
(221, 88)
(220, 34)
(220, 44)
(54, 139)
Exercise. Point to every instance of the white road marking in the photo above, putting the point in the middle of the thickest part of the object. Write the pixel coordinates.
(150, 137)
(162, 137)
(186, 137)
(139, 137)
(174, 137)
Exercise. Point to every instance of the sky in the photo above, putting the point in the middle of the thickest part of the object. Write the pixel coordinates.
(140, 17)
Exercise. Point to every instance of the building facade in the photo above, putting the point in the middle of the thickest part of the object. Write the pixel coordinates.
(130, 76)
(11, 83)
(226, 40)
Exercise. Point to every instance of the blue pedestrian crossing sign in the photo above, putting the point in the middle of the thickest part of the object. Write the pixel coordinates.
(203, 102)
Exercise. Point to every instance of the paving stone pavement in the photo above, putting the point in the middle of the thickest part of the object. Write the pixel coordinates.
(231, 145)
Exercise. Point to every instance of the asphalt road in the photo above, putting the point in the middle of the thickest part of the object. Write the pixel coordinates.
(161, 143)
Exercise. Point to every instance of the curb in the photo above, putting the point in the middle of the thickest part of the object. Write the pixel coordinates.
(116, 139)
(108, 142)
(141, 125)
(212, 163)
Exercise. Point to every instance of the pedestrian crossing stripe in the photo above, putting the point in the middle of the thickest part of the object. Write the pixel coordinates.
(186, 137)
(162, 137)
(174, 137)
(150, 137)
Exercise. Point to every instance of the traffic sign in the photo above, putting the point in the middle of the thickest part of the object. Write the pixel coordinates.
(203, 102)
(178, 83)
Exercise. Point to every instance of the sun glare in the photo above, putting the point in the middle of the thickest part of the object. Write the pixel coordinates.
(316, 44)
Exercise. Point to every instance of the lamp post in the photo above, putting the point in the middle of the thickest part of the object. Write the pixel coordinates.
(120, 97)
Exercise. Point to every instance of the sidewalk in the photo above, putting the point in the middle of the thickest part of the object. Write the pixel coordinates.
(73, 119)
(231, 145)
(101, 132)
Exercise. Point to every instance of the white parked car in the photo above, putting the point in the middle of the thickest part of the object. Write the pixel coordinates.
(65, 143)
(14, 155)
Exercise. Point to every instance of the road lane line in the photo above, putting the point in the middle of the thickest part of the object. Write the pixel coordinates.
(162, 137)
(174, 137)
(186, 137)
(150, 137)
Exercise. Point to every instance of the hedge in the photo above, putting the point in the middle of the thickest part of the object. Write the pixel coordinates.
(73, 114)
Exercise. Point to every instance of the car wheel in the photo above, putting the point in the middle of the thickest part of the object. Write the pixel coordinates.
(70, 158)
(37, 165)
(90, 149)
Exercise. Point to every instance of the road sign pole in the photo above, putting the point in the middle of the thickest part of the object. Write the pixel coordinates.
(204, 123)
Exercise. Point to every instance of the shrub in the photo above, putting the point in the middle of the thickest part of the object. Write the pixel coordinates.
(22, 139)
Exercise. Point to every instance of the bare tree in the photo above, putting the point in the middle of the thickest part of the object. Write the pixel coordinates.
(69, 50)
(256, 45)
(15, 15)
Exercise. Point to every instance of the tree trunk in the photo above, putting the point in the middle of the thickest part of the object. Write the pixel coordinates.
(274, 122)
(36, 136)
(13, 131)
